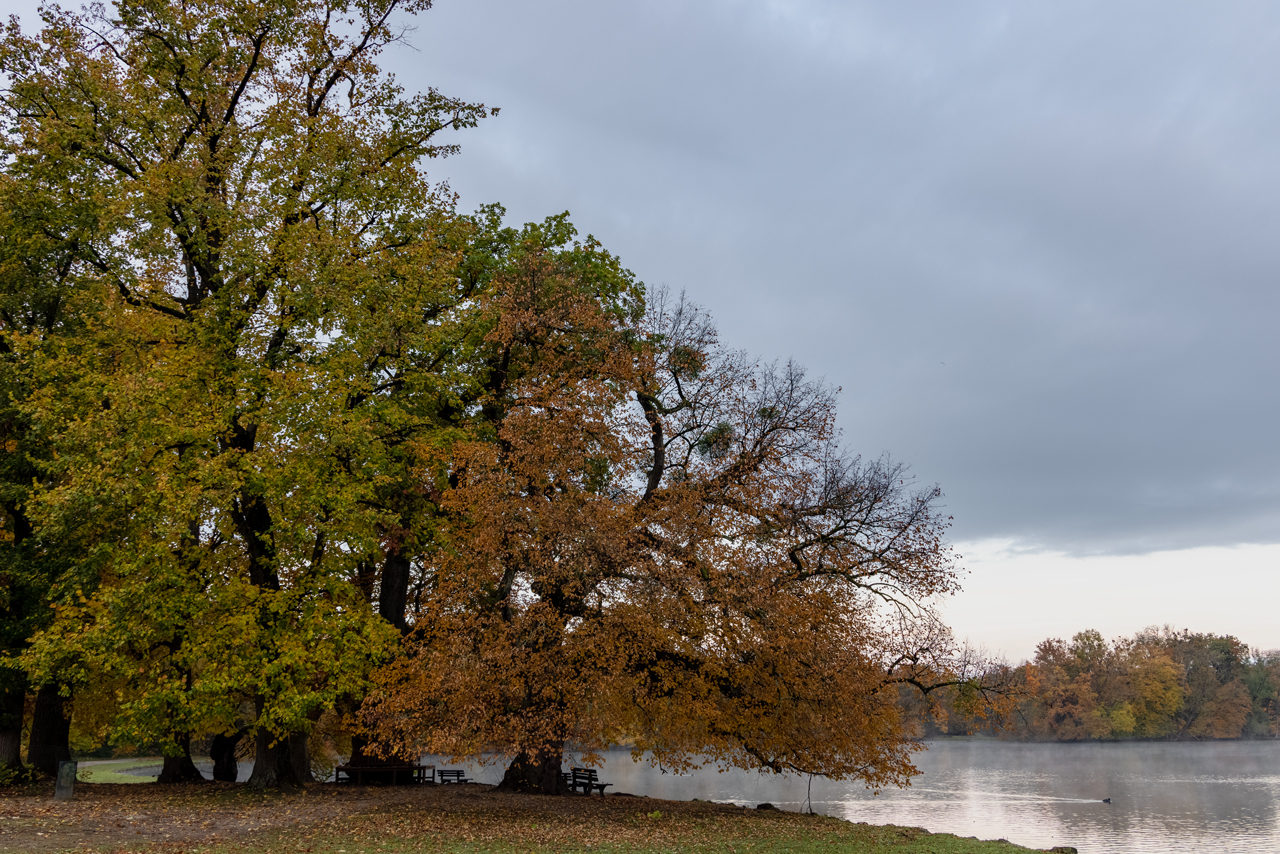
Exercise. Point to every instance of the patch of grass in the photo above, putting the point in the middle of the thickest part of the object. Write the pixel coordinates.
(112, 772)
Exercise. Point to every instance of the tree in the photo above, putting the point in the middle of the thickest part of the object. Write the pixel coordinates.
(648, 536)
(1063, 685)
(277, 280)
(1092, 689)
(1216, 703)
(1161, 683)
(313, 399)
(1156, 688)
(41, 310)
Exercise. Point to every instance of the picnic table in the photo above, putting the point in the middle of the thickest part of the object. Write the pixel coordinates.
(395, 775)
(586, 779)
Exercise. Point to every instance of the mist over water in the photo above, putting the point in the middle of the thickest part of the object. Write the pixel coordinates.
(1218, 797)
(1210, 797)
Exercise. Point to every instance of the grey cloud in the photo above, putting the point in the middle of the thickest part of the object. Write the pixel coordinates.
(1072, 206)
(1035, 243)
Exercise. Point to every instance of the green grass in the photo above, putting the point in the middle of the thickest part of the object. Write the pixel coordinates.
(111, 772)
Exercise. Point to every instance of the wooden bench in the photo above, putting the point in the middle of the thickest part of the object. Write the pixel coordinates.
(587, 779)
(451, 776)
(382, 775)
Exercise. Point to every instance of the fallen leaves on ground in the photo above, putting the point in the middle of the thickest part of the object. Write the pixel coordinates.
(217, 817)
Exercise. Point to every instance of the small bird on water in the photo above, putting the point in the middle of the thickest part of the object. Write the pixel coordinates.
(1106, 800)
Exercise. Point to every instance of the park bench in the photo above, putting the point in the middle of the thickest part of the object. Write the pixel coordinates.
(587, 779)
(451, 776)
(382, 775)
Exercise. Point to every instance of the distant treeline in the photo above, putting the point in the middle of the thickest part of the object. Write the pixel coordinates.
(1159, 684)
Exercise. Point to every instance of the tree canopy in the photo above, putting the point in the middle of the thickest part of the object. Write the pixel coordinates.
(287, 435)
(656, 538)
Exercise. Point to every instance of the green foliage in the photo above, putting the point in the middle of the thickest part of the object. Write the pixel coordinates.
(236, 190)
(23, 776)
(253, 361)
(716, 441)
(237, 319)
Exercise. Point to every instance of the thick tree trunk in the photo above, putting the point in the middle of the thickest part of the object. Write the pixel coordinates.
(538, 773)
(180, 769)
(358, 756)
(300, 757)
(223, 753)
(272, 761)
(273, 764)
(50, 732)
(13, 695)
(393, 592)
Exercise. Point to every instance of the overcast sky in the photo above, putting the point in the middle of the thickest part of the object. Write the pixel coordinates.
(1035, 243)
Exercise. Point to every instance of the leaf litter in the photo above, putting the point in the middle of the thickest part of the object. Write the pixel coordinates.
(212, 818)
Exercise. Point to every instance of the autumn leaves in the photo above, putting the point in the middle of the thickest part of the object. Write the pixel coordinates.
(299, 439)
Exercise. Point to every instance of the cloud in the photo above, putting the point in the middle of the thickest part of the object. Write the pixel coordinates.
(1034, 243)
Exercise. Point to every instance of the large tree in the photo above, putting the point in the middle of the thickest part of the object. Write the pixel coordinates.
(42, 312)
(279, 284)
(653, 538)
(315, 411)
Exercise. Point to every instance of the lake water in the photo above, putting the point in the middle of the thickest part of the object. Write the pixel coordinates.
(1215, 797)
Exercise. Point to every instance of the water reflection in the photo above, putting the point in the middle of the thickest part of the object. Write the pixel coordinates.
(1218, 797)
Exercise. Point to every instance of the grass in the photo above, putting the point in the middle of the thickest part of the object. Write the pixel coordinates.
(217, 818)
(112, 772)
(821, 835)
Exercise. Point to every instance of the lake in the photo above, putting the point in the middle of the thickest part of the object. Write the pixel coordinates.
(1220, 797)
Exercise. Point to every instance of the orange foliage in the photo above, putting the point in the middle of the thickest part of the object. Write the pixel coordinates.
(649, 539)
(1159, 684)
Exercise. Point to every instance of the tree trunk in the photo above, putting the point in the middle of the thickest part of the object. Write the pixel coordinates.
(358, 756)
(349, 708)
(223, 753)
(393, 592)
(273, 760)
(13, 696)
(300, 757)
(273, 764)
(180, 769)
(50, 732)
(538, 773)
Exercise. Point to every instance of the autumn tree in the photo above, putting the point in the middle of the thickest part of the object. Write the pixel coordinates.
(648, 536)
(1159, 684)
(1262, 677)
(1065, 682)
(279, 284)
(1155, 688)
(1216, 702)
